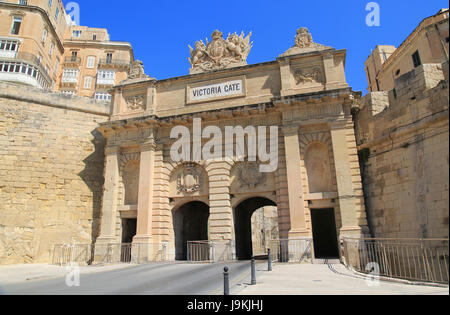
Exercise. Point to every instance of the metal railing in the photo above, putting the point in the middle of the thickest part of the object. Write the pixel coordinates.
(210, 251)
(87, 254)
(72, 60)
(291, 251)
(114, 62)
(425, 260)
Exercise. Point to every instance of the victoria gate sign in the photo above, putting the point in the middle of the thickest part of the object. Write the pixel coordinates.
(214, 91)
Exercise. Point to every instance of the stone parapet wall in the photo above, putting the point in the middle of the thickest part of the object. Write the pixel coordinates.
(404, 154)
(51, 172)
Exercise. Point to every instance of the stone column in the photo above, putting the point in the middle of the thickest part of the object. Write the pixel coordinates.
(143, 240)
(295, 183)
(347, 200)
(109, 203)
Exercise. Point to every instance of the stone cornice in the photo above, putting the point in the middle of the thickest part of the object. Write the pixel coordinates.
(312, 98)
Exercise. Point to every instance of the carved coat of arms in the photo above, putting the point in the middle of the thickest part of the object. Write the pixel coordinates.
(189, 180)
(249, 174)
(307, 76)
(220, 53)
(135, 102)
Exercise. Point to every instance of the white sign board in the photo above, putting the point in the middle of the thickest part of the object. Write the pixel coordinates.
(214, 91)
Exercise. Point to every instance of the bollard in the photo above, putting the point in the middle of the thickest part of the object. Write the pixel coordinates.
(226, 282)
(253, 271)
(269, 260)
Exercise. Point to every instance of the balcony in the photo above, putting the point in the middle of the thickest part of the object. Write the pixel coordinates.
(69, 77)
(72, 61)
(24, 68)
(114, 64)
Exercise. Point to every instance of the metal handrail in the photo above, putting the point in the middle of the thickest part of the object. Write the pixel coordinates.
(413, 259)
(114, 62)
(76, 60)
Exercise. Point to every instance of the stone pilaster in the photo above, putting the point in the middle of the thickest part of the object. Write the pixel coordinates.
(110, 202)
(346, 192)
(295, 183)
(221, 214)
(143, 238)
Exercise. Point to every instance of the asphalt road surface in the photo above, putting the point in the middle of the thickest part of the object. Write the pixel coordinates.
(151, 279)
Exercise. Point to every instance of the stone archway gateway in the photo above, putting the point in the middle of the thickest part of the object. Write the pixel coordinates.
(243, 225)
(303, 95)
(190, 223)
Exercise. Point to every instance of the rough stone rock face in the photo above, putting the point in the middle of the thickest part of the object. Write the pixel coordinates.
(51, 172)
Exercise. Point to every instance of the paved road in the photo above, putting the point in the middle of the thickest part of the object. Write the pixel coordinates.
(151, 279)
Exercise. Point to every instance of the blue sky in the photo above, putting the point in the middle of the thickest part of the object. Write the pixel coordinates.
(160, 31)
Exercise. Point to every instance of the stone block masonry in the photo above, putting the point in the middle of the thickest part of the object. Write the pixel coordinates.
(51, 172)
(405, 156)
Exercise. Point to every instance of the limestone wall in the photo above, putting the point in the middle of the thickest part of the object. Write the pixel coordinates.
(51, 172)
(405, 156)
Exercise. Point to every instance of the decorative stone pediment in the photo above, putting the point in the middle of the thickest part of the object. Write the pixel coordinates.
(304, 43)
(220, 53)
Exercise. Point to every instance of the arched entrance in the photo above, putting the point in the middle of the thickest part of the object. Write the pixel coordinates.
(243, 213)
(190, 223)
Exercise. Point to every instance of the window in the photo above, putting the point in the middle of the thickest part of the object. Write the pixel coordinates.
(39, 57)
(397, 72)
(109, 58)
(50, 3)
(102, 97)
(416, 59)
(384, 55)
(56, 66)
(94, 37)
(70, 76)
(68, 92)
(74, 56)
(8, 48)
(52, 46)
(90, 63)
(106, 75)
(16, 26)
(23, 2)
(44, 36)
(56, 14)
(87, 82)
(76, 33)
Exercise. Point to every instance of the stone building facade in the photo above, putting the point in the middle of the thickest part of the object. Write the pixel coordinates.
(77, 171)
(40, 46)
(303, 94)
(428, 43)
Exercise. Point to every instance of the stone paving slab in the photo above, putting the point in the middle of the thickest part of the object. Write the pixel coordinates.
(306, 279)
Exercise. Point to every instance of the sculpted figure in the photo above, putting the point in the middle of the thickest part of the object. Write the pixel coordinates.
(220, 53)
(198, 54)
(303, 38)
